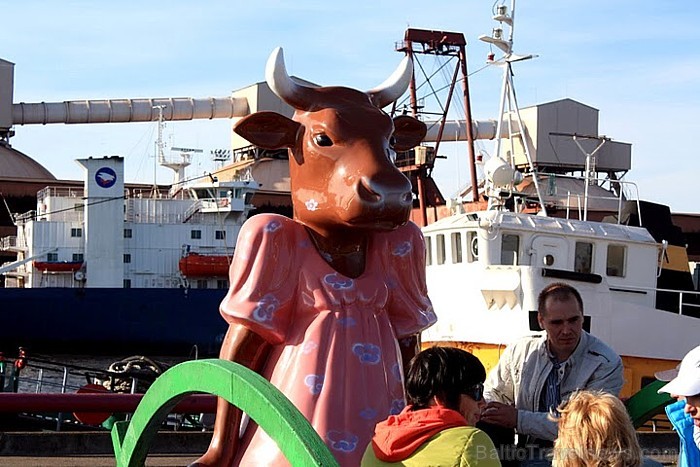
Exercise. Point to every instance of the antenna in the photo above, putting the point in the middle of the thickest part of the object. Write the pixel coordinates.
(508, 92)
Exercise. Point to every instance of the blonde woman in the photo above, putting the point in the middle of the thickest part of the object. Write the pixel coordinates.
(596, 431)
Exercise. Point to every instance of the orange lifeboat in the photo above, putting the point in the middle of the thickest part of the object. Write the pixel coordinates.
(58, 266)
(196, 265)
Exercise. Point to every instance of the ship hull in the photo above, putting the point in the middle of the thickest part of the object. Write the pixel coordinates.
(111, 321)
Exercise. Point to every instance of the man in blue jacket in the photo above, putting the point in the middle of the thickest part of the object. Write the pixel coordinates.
(684, 385)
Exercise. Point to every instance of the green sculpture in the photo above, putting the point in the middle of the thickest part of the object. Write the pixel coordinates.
(244, 388)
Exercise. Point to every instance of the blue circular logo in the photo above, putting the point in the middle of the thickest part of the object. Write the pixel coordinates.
(105, 177)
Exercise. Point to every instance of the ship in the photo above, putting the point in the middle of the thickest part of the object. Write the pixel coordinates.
(106, 269)
(554, 205)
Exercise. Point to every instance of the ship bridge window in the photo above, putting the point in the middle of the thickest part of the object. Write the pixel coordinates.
(77, 257)
(76, 232)
(52, 257)
(202, 283)
(127, 257)
(456, 239)
(220, 234)
(510, 246)
(440, 247)
(128, 233)
(583, 261)
(221, 284)
(615, 265)
(428, 251)
(195, 234)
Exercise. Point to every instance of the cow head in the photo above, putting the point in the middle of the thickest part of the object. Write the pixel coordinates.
(342, 150)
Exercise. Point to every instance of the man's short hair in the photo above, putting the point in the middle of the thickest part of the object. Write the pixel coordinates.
(445, 372)
(558, 291)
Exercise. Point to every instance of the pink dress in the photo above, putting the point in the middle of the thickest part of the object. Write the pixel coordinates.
(335, 348)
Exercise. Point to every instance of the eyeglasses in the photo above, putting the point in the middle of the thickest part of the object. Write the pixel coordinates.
(476, 392)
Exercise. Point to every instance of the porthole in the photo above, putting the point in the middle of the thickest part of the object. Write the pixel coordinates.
(475, 247)
(548, 260)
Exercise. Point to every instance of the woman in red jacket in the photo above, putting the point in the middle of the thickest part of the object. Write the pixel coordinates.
(444, 389)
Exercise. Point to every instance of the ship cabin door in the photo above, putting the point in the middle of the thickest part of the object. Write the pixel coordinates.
(550, 252)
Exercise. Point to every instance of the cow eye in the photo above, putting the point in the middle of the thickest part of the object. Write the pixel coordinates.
(392, 141)
(322, 139)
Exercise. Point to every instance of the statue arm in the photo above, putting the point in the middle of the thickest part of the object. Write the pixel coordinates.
(249, 349)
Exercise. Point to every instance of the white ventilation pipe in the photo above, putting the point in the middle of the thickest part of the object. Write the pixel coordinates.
(456, 130)
(128, 110)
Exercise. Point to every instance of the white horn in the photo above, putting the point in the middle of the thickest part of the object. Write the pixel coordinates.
(294, 94)
(394, 86)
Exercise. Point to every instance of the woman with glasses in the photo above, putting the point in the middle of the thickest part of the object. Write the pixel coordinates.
(444, 390)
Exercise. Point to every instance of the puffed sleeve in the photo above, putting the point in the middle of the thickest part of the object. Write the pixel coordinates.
(410, 309)
(260, 295)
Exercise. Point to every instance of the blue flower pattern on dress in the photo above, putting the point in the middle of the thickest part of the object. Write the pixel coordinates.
(338, 282)
(397, 406)
(266, 308)
(272, 226)
(347, 322)
(314, 383)
(342, 440)
(402, 249)
(368, 413)
(396, 372)
(367, 353)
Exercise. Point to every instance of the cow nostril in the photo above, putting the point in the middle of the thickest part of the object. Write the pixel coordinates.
(366, 193)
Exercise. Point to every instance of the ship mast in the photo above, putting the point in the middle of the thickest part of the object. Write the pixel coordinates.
(508, 97)
(159, 153)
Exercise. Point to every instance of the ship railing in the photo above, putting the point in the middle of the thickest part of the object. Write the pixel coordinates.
(580, 203)
(154, 217)
(41, 376)
(192, 210)
(225, 204)
(62, 192)
(208, 250)
(687, 301)
(8, 243)
(25, 217)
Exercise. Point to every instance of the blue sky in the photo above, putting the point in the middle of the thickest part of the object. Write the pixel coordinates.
(635, 61)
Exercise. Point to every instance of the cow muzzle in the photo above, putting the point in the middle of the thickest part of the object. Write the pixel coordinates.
(385, 200)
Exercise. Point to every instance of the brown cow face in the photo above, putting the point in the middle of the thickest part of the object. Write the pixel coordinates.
(342, 171)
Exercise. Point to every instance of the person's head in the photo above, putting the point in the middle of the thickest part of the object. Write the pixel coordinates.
(684, 383)
(448, 377)
(594, 430)
(560, 313)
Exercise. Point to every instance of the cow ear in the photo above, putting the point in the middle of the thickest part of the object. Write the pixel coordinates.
(408, 132)
(268, 130)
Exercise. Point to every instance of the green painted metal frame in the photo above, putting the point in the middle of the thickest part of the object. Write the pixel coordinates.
(646, 403)
(240, 386)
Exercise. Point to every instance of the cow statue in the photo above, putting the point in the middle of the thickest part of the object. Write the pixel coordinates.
(329, 305)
